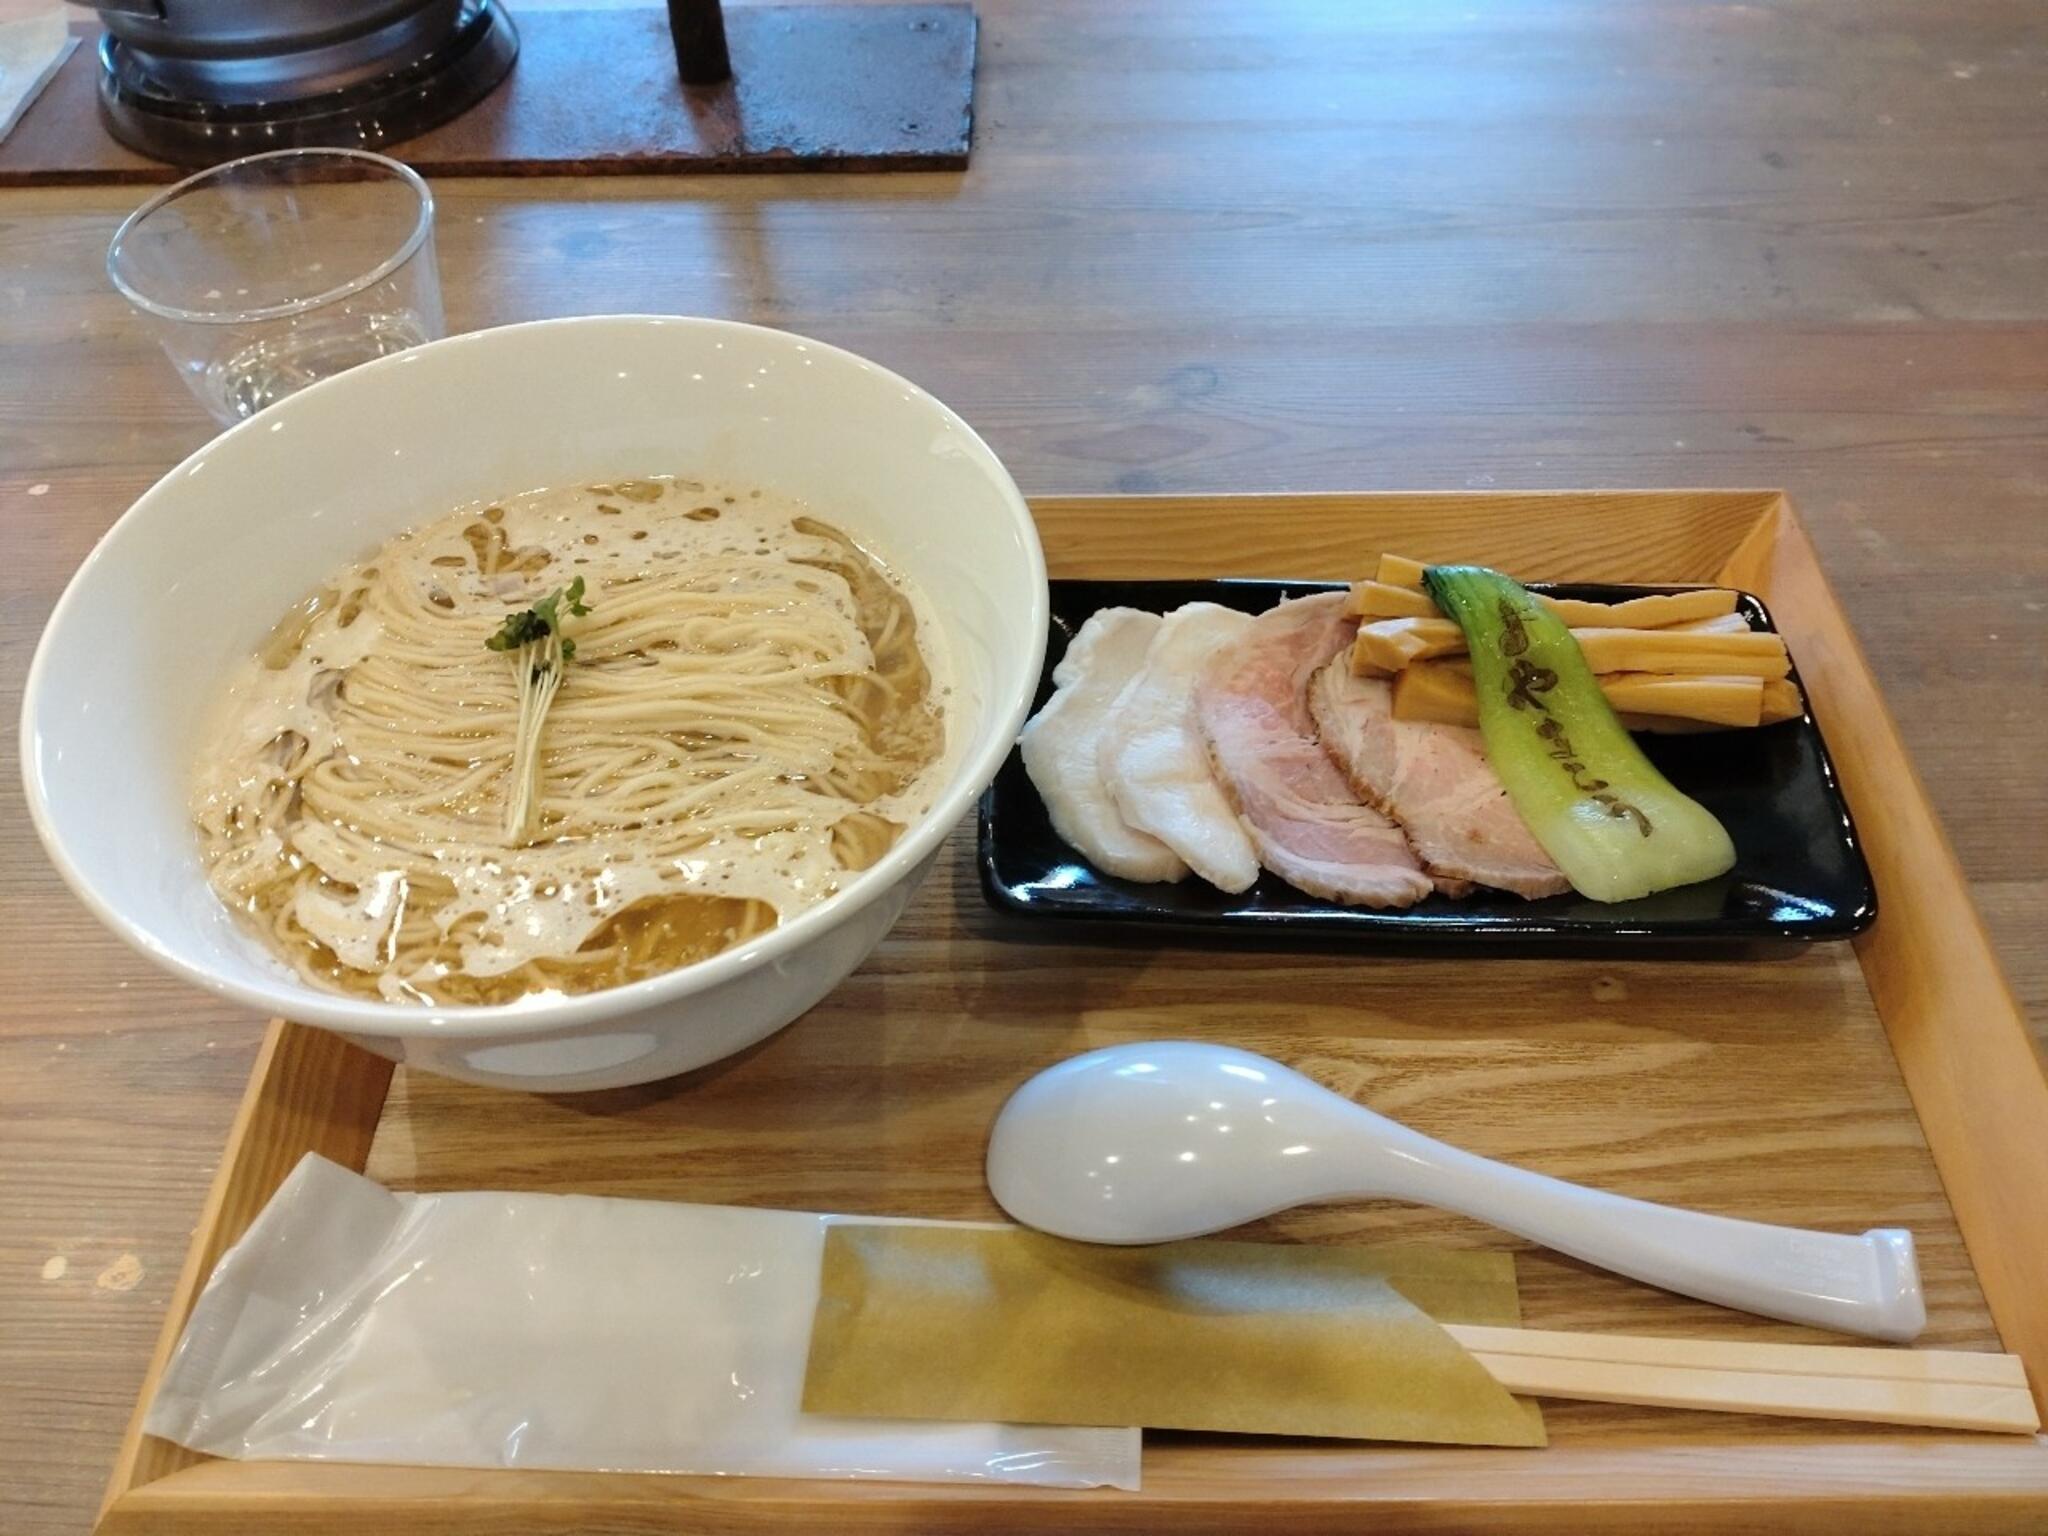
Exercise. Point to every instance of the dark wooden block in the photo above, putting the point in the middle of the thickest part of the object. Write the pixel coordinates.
(814, 88)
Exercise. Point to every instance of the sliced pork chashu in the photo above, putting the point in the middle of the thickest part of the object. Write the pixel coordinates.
(1305, 821)
(1434, 780)
(1154, 759)
(1062, 742)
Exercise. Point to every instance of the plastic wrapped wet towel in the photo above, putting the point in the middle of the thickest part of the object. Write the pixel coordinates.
(561, 1331)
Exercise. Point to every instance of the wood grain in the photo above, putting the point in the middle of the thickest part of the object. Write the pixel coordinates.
(1203, 247)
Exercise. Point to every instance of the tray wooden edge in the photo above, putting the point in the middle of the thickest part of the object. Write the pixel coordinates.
(309, 1091)
(1882, 1484)
(1963, 1048)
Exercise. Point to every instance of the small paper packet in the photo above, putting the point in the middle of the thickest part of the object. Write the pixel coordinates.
(1253, 1338)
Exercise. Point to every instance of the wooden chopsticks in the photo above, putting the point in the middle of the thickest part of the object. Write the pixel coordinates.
(1941, 1388)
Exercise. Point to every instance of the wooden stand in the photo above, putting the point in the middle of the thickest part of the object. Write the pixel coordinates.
(810, 88)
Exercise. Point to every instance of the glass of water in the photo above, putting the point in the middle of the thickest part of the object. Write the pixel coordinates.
(265, 274)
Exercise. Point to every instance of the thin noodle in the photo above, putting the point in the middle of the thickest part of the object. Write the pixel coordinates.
(730, 740)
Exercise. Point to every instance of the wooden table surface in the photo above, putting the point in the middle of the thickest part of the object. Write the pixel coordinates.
(1204, 246)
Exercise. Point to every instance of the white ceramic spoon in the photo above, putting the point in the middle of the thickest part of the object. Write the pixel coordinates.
(1153, 1142)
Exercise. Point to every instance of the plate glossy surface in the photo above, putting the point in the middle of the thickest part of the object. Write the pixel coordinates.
(1799, 873)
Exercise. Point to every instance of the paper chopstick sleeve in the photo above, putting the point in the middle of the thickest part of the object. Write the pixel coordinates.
(1253, 1338)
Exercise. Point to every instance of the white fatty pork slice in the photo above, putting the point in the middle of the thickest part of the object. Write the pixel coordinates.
(1062, 742)
(1307, 825)
(1434, 780)
(1155, 761)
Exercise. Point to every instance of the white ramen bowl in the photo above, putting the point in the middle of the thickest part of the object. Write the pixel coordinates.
(194, 575)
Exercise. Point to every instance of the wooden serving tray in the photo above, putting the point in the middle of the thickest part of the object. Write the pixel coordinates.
(1891, 1084)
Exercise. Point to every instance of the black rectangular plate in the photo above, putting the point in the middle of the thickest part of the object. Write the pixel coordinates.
(1799, 873)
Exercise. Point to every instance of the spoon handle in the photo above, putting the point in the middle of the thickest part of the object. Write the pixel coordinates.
(1866, 1285)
